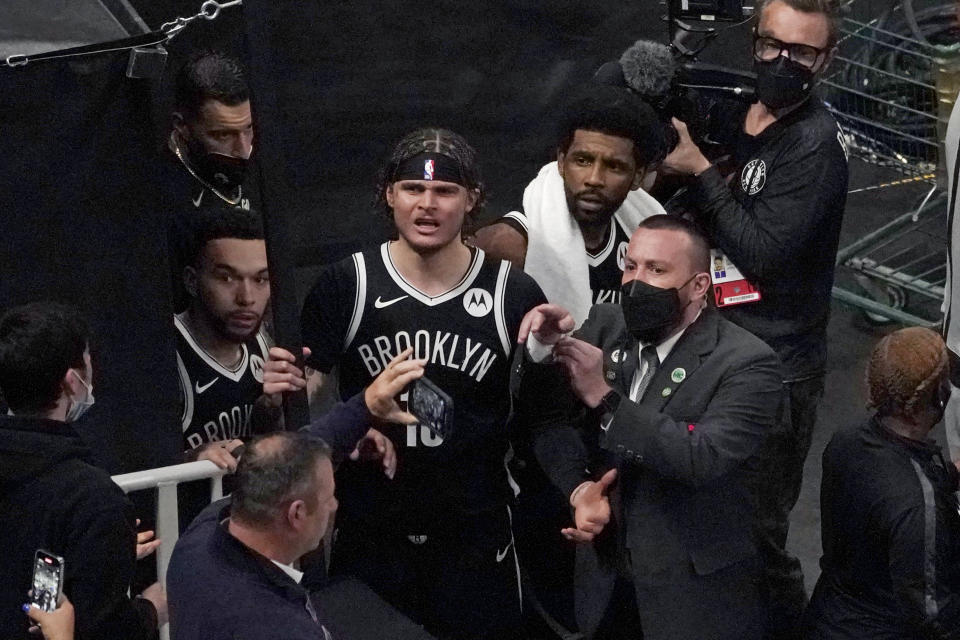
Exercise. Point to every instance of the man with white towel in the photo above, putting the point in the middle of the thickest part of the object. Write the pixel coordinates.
(571, 236)
(580, 210)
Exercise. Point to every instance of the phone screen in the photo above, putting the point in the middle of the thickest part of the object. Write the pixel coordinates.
(47, 579)
(432, 407)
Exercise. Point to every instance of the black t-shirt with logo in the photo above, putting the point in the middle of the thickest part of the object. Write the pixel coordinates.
(605, 266)
(778, 220)
(359, 315)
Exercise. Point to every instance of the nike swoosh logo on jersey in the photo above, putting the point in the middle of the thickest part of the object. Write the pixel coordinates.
(380, 304)
(198, 199)
(503, 554)
(204, 387)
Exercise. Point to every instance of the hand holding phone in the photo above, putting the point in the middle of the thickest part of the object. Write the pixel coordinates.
(47, 580)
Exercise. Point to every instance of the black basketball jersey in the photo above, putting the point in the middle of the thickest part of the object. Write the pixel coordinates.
(606, 266)
(217, 402)
(359, 315)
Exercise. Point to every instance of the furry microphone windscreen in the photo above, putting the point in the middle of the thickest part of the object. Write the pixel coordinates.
(650, 69)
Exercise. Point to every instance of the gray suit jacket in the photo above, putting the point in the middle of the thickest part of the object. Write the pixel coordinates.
(681, 453)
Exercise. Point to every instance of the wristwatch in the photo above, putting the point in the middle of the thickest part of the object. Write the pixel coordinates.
(611, 401)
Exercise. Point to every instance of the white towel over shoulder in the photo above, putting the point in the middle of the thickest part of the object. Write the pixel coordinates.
(556, 254)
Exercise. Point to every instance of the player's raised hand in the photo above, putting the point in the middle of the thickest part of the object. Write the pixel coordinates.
(381, 396)
(376, 446)
(591, 509)
(282, 375)
(549, 322)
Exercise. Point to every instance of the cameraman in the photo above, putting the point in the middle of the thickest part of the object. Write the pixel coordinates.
(778, 220)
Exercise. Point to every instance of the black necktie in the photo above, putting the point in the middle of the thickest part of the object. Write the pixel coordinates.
(648, 355)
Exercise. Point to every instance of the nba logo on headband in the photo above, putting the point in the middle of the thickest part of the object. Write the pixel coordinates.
(428, 169)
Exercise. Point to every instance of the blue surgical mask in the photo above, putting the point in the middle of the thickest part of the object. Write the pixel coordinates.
(80, 407)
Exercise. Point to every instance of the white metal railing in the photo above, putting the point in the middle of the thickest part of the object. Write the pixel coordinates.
(165, 481)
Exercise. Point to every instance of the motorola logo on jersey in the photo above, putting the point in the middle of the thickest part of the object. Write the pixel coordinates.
(621, 254)
(478, 302)
(256, 367)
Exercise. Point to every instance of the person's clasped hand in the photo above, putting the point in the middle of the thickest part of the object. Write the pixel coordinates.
(591, 509)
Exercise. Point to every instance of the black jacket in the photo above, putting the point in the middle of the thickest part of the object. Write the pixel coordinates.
(891, 540)
(779, 221)
(51, 498)
(221, 589)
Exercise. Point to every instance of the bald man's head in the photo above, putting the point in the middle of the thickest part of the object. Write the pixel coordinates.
(275, 470)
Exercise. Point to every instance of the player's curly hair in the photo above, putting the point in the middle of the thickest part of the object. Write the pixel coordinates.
(221, 220)
(833, 9)
(432, 140)
(904, 370)
(614, 111)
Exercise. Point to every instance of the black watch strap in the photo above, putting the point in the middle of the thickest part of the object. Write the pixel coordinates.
(611, 401)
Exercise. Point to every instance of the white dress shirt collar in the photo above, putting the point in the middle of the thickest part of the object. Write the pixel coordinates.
(290, 571)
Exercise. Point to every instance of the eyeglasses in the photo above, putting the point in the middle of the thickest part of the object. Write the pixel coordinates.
(766, 48)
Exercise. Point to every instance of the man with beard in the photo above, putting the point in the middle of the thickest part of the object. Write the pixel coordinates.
(220, 348)
(778, 221)
(208, 149)
(212, 134)
(579, 212)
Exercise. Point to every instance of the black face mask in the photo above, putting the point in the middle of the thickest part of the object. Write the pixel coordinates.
(782, 82)
(651, 312)
(220, 170)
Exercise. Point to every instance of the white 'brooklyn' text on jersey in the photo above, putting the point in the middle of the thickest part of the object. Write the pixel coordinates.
(359, 315)
(217, 401)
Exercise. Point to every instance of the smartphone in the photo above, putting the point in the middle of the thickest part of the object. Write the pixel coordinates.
(432, 407)
(47, 580)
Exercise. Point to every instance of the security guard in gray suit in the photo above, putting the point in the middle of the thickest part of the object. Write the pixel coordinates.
(681, 401)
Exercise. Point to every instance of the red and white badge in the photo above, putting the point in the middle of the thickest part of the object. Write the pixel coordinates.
(730, 287)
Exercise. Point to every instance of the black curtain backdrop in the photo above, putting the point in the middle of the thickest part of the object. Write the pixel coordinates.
(357, 76)
(80, 224)
(335, 85)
